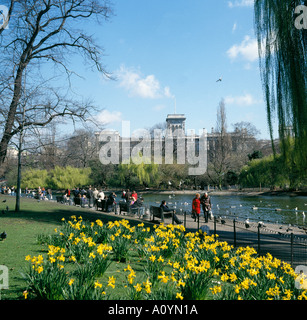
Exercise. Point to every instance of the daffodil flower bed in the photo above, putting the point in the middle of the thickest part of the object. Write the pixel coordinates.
(163, 263)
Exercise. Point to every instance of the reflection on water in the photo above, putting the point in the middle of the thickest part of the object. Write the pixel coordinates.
(281, 209)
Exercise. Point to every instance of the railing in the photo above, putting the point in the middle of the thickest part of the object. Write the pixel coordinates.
(286, 246)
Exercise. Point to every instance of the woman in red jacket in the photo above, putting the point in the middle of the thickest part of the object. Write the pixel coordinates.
(196, 206)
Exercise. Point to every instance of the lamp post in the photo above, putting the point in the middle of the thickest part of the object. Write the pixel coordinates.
(18, 191)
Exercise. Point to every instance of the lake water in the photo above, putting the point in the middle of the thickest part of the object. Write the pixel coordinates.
(290, 210)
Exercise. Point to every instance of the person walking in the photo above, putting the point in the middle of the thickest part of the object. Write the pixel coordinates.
(90, 197)
(196, 206)
(95, 194)
(111, 202)
(205, 201)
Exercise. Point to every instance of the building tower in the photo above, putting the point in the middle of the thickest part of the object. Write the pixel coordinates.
(175, 121)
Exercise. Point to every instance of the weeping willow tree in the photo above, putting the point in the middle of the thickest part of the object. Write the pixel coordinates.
(283, 57)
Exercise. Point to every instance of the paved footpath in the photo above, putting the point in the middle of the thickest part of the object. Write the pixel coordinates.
(272, 238)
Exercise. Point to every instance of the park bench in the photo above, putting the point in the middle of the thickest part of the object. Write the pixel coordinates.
(157, 212)
(125, 207)
(59, 199)
(77, 201)
(80, 202)
(101, 205)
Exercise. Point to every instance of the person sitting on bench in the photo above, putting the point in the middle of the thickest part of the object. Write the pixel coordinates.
(165, 208)
(111, 202)
(139, 205)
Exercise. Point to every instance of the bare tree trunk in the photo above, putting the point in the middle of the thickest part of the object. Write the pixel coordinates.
(18, 191)
(220, 155)
(43, 33)
(7, 135)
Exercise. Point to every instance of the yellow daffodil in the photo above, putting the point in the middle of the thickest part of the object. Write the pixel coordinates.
(271, 276)
(163, 277)
(40, 269)
(216, 290)
(147, 286)
(179, 296)
(138, 287)
(111, 282)
(52, 260)
(233, 277)
(97, 284)
(224, 277)
(92, 255)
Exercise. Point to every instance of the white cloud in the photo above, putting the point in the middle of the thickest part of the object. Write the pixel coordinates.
(247, 49)
(242, 101)
(147, 87)
(242, 3)
(167, 93)
(159, 107)
(234, 28)
(107, 117)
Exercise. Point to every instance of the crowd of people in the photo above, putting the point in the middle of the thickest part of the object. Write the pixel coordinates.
(87, 197)
(129, 197)
(8, 190)
(91, 196)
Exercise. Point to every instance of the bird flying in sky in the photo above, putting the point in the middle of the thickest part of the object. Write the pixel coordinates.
(220, 79)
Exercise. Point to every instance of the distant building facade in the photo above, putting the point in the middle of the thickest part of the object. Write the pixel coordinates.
(175, 123)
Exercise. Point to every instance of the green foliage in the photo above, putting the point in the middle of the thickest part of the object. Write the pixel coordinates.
(101, 175)
(272, 172)
(58, 178)
(69, 177)
(137, 174)
(267, 172)
(33, 178)
(282, 51)
(255, 155)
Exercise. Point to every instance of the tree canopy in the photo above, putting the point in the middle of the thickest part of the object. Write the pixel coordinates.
(283, 65)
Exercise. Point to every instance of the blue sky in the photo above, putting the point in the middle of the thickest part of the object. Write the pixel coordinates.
(162, 51)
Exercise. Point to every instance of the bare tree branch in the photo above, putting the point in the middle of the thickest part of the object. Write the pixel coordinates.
(44, 33)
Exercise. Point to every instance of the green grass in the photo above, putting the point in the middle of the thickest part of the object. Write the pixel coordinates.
(23, 228)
